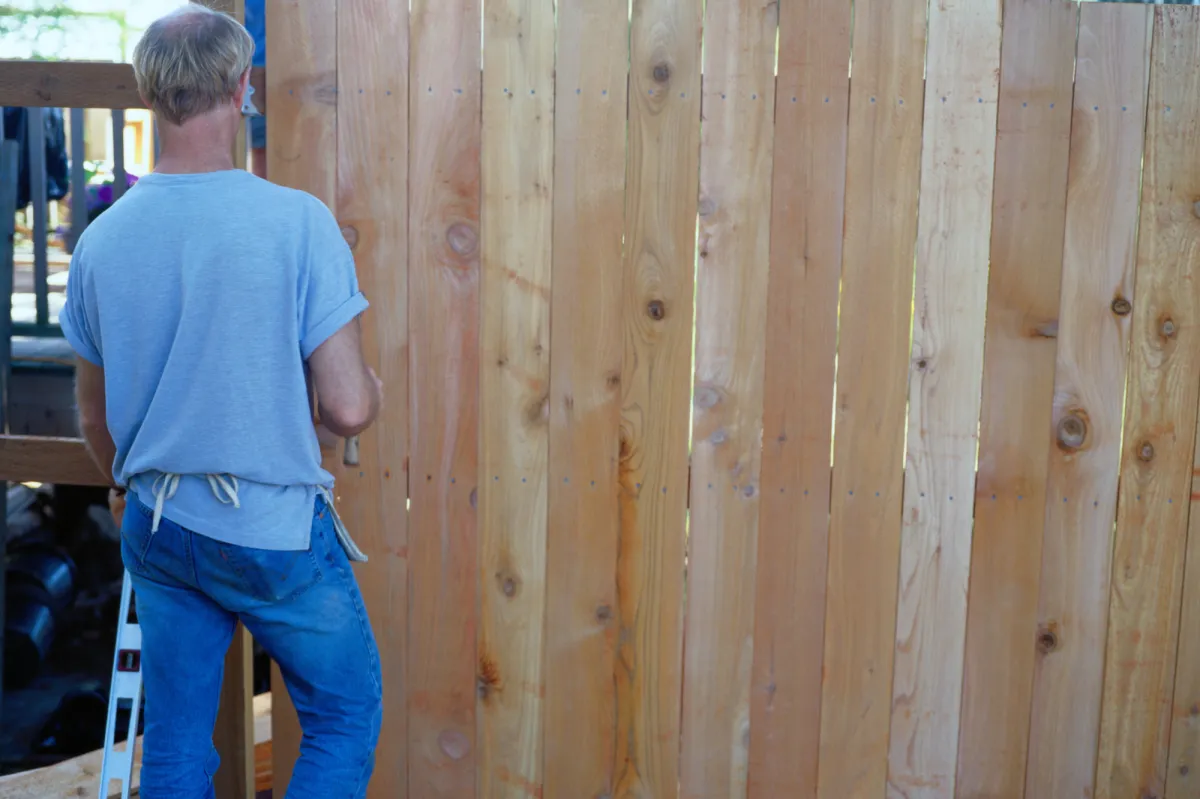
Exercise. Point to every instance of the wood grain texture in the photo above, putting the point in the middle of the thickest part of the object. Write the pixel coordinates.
(656, 379)
(68, 84)
(301, 154)
(585, 397)
(77, 84)
(731, 303)
(1160, 419)
(812, 96)
(882, 174)
(518, 173)
(1028, 209)
(372, 208)
(444, 387)
(1109, 115)
(36, 459)
(1183, 764)
(953, 234)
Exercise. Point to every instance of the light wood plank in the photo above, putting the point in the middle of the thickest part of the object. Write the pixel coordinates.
(656, 378)
(953, 234)
(1028, 210)
(518, 172)
(812, 96)
(585, 399)
(37, 459)
(1093, 338)
(444, 417)
(731, 300)
(78, 84)
(372, 208)
(1183, 765)
(882, 174)
(301, 154)
(1157, 453)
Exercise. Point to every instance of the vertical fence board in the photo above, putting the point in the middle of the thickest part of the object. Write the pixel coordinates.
(585, 399)
(1160, 418)
(1093, 339)
(517, 168)
(811, 99)
(1028, 208)
(656, 378)
(882, 174)
(954, 228)
(372, 204)
(302, 154)
(731, 297)
(443, 310)
(1183, 764)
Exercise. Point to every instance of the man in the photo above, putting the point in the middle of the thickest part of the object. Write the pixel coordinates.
(201, 305)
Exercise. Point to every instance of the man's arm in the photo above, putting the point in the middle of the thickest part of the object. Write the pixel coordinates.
(349, 394)
(93, 422)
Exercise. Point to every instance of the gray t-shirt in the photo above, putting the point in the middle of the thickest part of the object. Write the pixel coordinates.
(202, 296)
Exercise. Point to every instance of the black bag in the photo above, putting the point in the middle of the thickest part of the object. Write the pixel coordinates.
(58, 169)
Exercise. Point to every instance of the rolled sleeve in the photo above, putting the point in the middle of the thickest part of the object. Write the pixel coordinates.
(332, 323)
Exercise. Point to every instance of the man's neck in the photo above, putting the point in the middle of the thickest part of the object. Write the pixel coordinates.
(202, 144)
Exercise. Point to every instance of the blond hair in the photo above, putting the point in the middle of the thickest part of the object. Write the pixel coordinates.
(190, 61)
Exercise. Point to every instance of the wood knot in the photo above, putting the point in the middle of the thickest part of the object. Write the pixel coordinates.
(1072, 430)
(707, 206)
(922, 365)
(350, 234)
(656, 310)
(662, 72)
(706, 397)
(1146, 451)
(1047, 329)
(474, 499)
(1184, 771)
(613, 380)
(1047, 640)
(749, 491)
(462, 238)
(1168, 328)
(488, 678)
(1122, 306)
(510, 585)
(454, 744)
(604, 614)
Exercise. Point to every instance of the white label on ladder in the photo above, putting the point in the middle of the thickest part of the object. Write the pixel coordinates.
(126, 686)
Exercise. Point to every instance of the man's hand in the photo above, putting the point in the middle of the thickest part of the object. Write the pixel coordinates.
(116, 505)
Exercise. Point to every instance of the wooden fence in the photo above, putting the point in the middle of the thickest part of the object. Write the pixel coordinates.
(638, 279)
(634, 277)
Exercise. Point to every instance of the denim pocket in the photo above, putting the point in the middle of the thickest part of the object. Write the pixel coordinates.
(272, 575)
(136, 537)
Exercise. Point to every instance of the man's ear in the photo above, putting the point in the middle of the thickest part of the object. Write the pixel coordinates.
(239, 95)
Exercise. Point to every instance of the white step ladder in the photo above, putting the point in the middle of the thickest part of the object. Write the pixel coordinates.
(126, 686)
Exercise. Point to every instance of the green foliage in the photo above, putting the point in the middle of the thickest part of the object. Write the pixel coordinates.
(30, 25)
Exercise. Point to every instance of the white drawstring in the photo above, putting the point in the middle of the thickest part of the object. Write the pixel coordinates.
(225, 488)
(165, 486)
(343, 535)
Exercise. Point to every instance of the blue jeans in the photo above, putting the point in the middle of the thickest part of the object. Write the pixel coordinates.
(306, 611)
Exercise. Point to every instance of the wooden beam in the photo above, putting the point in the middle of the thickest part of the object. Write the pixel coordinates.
(84, 84)
(79, 775)
(38, 459)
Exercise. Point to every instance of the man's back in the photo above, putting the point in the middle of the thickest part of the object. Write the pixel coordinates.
(202, 295)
